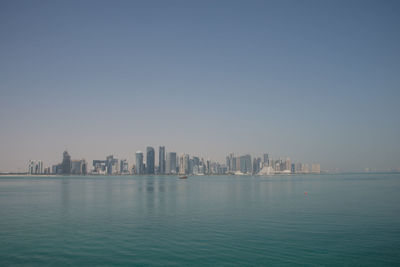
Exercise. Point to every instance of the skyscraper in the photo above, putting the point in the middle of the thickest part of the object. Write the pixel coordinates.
(245, 164)
(161, 159)
(66, 163)
(35, 167)
(266, 160)
(139, 168)
(184, 164)
(150, 159)
(78, 167)
(112, 165)
(171, 163)
(124, 167)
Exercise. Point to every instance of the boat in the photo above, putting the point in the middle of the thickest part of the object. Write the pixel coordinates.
(183, 177)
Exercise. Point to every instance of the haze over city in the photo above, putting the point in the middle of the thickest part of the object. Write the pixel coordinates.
(314, 81)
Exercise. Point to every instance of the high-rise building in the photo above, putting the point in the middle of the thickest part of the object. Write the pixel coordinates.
(150, 159)
(124, 167)
(288, 164)
(256, 165)
(245, 164)
(35, 167)
(161, 159)
(112, 165)
(231, 163)
(99, 167)
(266, 160)
(78, 167)
(171, 163)
(184, 164)
(139, 168)
(66, 163)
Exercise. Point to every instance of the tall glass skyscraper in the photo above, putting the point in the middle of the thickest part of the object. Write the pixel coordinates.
(66, 163)
(150, 159)
(139, 168)
(161, 159)
(171, 163)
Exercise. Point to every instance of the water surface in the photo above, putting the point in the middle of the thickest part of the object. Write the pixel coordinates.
(347, 219)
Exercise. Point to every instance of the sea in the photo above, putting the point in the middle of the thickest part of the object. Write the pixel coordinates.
(295, 220)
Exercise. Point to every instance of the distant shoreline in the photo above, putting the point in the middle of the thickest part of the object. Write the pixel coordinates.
(176, 175)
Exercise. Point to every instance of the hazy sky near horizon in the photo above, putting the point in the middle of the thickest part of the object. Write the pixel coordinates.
(317, 81)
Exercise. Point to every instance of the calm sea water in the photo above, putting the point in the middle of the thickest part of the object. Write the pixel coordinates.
(347, 219)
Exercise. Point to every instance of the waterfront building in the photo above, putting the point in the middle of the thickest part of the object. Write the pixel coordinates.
(150, 159)
(298, 168)
(288, 164)
(99, 167)
(293, 168)
(139, 168)
(66, 163)
(257, 165)
(231, 163)
(184, 164)
(266, 160)
(315, 168)
(112, 165)
(245, 164)
(171, 163)
(56, 169)
(78, 167)
(124, 167)
(305, 168)
(161, 160)
(35, 167)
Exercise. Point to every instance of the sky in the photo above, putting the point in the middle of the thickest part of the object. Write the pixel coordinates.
(316, 81)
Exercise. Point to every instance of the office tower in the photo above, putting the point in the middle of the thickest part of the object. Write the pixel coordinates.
(231, 163)
(84, 167)
(288, 164)
(293, 168)
(191, 165)
(196, 161)
(237, 168)
(266, 160)
(171, 163)
(184, 164)
(256, 165)
(112, 165)
(150, 159)
(315, 168)
(277, 166)
(305, 168)
(298, 167)
(245, 164)
(124, 166)
(99, 166)
(66, 163)
(35, 167)
(161, 159)
(78, 167)
(139, 168)
(56, 169)
(208, 167)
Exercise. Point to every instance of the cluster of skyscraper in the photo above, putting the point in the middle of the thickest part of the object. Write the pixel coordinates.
(68, 166)
(170, 163)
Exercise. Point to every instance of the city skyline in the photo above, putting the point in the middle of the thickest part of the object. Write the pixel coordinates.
(313, 80)
(182, 164)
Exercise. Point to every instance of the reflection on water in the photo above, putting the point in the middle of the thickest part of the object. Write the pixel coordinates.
(204, 220)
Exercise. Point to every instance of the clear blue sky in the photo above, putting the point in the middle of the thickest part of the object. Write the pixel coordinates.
(317, 81)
